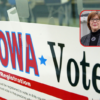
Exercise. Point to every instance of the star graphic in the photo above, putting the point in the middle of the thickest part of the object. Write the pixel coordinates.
(42, 60)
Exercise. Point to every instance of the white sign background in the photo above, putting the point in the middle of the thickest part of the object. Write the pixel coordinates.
(41, 34)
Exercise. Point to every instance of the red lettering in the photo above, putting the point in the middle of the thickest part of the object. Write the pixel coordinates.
(3, 60)
(14, 48)
(30, 62)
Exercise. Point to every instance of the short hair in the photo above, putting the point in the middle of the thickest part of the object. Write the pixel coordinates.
(91, 15)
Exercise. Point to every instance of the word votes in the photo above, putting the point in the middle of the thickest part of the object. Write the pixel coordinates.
(16, 49)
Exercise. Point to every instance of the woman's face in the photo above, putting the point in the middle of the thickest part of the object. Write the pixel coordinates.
(95, 23)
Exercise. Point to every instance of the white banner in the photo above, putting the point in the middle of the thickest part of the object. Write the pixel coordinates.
(47, 62)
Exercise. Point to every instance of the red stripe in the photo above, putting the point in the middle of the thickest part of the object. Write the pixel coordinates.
(59, 93)
(2, 98)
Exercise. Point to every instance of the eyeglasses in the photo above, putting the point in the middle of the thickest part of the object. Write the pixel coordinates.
(97, 20)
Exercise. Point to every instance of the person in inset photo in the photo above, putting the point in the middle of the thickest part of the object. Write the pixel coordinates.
(93, 23)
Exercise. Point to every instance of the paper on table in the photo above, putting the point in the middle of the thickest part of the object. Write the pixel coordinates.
(12, 14)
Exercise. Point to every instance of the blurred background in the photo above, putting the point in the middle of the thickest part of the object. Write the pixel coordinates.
(53, 12)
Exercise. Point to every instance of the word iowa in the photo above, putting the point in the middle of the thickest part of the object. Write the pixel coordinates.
(15, 48)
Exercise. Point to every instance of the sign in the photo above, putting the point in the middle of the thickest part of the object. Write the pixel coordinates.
(46, 62)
